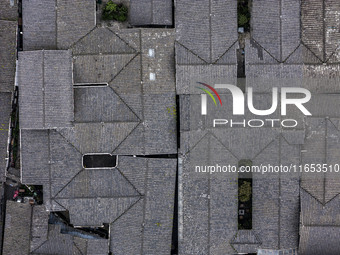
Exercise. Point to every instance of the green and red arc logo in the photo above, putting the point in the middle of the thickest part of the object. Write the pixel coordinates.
(209, 93)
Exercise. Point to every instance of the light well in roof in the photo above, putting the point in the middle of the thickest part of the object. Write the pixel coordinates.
(99, 161)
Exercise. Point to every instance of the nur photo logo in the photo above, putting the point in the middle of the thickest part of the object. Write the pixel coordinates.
(240, 99)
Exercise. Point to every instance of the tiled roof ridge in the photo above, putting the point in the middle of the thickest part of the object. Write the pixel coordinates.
(253, 39)
(55, 196)
(136, 51)
(127, 105)
(192, 52)
(126, 210)
(75, 245)
(81, 37)
(82, 170)
(129, 181)
(292, 53)
(117, 147)
(320, 202)
(236, 41)
(306, 46)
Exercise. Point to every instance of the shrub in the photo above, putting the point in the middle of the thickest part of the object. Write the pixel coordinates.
(242, 20)
(245, 191)
(112, 11)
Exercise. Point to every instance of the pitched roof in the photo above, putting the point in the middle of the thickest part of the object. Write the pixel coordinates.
(131, 92)
(46, 93)
(206, 29)
(276, 27)
(150, 12)
(8, 38)
(39, 24)
(39, 229)
(5, 113)
(187, 76)
(60, 24)
(321, 29)
(132, 115)
(9, 10)
(17, 228)
(275, 201)
(322, 135)
(277, 252)
(318, 239)
(147, 226)
(317, 222)
(134, 198)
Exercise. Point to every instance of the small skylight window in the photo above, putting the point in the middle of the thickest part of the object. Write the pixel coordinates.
(151, 53)
(152, 76)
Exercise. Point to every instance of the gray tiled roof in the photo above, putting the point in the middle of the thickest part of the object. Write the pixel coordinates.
(139, 188)
(9, 10)
(99, 68)
(8, 38)
(56, 243)
(92, 43)
(187, 76)
(321, 146)
(320, 28)
(17, 228)
(39, 229)
(276, 26)
(207, 28)
(316, 240)
(146, 227)
(34, 145)
(5, 113)
(60, 243)
(317, 222)
(277, 252)
(275, 202)
(132, 94)
(133, 115)
(56, 24)
(46, 94)
(276, 57)
(74, 20)
(101, 104)
(150, 12)
(39, 24)
(94, 197)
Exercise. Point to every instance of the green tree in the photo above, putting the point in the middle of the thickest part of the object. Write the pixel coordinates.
(112, 11)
